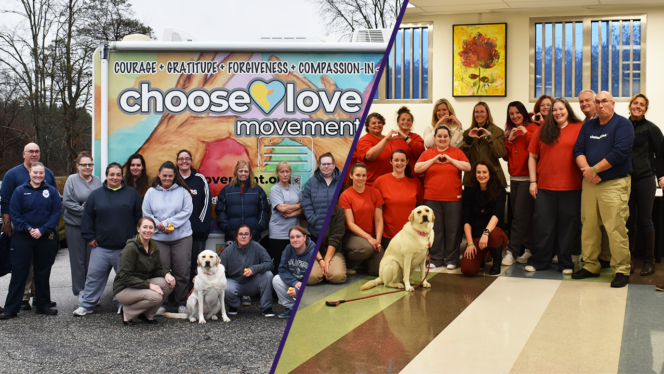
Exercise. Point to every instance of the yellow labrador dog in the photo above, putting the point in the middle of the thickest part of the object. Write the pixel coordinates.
(207, 297)
(408, 248)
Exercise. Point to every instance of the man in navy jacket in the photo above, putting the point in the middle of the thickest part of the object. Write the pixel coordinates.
(603, 151)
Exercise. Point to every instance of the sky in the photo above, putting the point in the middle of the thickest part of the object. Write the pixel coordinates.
(231, 20)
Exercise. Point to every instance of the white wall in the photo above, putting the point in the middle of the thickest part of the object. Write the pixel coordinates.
(518, 65)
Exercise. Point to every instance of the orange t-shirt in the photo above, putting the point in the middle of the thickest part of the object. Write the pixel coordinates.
(379, 166)
(443, 182)
(363, 206)
(556, 168)
(401, 196)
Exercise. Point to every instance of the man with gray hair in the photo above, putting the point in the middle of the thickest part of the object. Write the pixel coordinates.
(603, 151)
(586, 102)
(15, 177)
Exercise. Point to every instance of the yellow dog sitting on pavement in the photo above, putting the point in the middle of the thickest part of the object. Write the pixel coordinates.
(408, 248)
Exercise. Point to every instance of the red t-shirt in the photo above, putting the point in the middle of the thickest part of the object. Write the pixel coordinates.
(443, 182)
(556, 168)
(517, 153)
(401, 196)
(414, 149)
(379, 166)
(363, 206)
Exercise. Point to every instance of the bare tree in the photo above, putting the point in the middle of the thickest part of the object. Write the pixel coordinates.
(343, 17)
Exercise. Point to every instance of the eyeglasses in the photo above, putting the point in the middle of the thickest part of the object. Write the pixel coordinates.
(33, 152)
(86, 165)
(326, 165)
(243, 234)
(184, 159)
(603, 102)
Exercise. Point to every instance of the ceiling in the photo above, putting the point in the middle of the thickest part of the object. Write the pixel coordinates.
(491, 6)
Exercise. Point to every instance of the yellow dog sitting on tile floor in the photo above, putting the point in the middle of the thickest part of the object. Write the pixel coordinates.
(408, 248)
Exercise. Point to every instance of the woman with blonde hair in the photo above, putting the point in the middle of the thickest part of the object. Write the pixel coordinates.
(285, 201)
(242, 201)
(443, 114)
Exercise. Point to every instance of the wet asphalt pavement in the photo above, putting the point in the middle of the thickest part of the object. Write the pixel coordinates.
(100, 343)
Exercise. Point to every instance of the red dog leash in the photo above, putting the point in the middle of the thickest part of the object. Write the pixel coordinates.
(336, 303)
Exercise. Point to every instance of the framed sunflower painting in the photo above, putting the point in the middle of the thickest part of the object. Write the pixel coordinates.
(480, 60)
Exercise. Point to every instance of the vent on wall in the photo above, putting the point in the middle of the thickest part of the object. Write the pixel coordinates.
(371, 36)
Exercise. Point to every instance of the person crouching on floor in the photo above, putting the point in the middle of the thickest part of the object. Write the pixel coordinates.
(293, 267)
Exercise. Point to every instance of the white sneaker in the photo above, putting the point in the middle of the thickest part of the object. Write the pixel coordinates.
(508, 259)
(529, 268)
(568, 271)
(432, 266)
(120, 309)
(524, 259)
(160, 311)
(80, 312)
(554, 260)
(182, 309)
(451, 267)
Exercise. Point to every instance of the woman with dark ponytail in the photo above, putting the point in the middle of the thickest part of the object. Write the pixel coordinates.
(401, 192)
(405, 139)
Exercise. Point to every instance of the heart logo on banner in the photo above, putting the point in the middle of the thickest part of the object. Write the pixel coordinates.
(267, 95)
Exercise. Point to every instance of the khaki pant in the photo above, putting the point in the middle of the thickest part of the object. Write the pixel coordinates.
(606, 204)
(137, 301)
(358, 250)
(336, 271)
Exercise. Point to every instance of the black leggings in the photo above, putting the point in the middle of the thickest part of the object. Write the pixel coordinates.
(640, 204)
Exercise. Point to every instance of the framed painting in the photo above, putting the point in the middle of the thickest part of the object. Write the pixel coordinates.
(480, 60)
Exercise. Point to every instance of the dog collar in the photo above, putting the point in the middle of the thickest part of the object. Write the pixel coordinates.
(215, 272)
(421, 233)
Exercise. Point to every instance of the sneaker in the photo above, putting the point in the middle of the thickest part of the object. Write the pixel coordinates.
(182, 309)
(530, 268)
(432, 266)
(80, 312)
(232, 311)
(351, 271)
(451, 267)
(160, 311)
(524, 258)
(508, 259)
(268, 313)
(285, 314)
(246, 300)
(120, 309)
(660, 287)
(620, 281)
(567, 271)
(25, 305)
(583, 274)
(554, 260)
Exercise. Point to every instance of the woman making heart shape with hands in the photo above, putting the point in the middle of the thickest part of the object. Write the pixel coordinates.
(442, 167)
(484, 141)
(519, 130)
(443, 114)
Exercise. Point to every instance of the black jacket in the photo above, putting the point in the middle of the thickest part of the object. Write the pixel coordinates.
(646, 150)
(110, 217)
(478, 209)
(202, 215)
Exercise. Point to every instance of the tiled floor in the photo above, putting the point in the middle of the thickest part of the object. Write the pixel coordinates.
(519, 322)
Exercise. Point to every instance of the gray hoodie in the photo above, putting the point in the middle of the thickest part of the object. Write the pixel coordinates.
(172, 206)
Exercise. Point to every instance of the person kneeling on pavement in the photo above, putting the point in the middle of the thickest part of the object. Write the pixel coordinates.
(293, 267)
(248, 272)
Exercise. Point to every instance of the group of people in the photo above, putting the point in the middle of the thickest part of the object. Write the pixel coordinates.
(570, 179)
(151, 230)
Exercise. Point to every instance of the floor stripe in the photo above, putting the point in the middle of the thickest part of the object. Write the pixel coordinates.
(388, 341)
(492, 331)
(317, 326)
(642, 349)
(580, 332)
